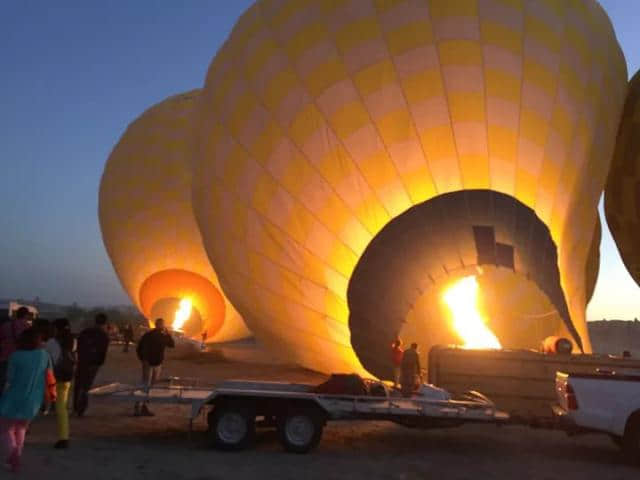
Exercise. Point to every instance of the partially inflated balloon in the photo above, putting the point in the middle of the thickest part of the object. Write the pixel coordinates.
(622, 195)
(363, 155)
(148, 225)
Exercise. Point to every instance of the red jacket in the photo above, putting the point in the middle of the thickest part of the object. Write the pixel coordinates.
(396, 356)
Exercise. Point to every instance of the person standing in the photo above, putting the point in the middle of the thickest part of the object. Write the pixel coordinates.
(28, 373)
(411, 373)
(64, 366)
(396, 361)
(9, 333)
(127, 336)
(150, 351)
(93, 343)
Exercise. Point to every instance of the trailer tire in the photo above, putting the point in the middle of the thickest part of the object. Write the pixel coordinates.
(300, 429)
(231, 427)
(631, 439)
(617, 440)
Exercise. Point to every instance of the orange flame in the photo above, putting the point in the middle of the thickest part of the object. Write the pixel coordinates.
(462, 300)
(182, 314)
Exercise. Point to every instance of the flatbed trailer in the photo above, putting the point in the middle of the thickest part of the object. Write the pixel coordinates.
(234, 408)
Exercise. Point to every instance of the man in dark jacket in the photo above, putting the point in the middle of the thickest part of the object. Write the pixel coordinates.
(151, 353)
(93, 343)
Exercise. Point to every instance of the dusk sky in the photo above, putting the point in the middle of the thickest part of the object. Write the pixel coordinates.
(75, 74)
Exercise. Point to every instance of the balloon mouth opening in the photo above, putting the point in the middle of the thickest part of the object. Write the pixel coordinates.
(503, 254)
(189, 303)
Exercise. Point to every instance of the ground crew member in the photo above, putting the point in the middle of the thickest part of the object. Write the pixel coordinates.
(411, 373)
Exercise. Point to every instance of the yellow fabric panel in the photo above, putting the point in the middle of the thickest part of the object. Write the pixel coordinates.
(539, 31)
(503, 142)
(266, 142)
(306, 122)
(356, 33)
(539, 75)
(453, 8)
(438, 143)
(377, 169)
(475, 171)
(351, 117)
(497, 34)
(562, 124)
(279, 87)
(259, 57)
(286, 10)
(533, 126)
(324, 75)
(460, 52)
(374, 77)
(395, 127)
(526, 187)
(501, 84)
(305, 39)
(409, 36)
(466, 106)
(423, 85)
(244, 106)
(265, 191)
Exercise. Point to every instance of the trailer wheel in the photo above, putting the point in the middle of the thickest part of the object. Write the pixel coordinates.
(631, 439)
(231, 427)
(300, 430)
(617, 440)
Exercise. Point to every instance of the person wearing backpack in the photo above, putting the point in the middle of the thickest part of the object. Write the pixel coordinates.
(64, 366)
(93, 343)
(150, 352)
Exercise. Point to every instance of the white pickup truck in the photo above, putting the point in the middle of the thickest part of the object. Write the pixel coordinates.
(604, 401)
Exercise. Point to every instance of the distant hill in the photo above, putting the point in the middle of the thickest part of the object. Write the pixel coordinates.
(615, 336)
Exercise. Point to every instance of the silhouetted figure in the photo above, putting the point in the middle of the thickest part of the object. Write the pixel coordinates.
(64, 367)
(411, 374)
(93, 343)
(150, 351)
(127, 335)
(396, 361)
(203, 345)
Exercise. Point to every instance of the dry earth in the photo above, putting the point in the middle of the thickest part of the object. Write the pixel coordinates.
(111, 444)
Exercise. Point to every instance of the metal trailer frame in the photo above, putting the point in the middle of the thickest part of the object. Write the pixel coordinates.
(474, 407)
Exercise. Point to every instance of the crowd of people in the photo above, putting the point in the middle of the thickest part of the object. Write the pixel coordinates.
(42, 362)
(407, 372)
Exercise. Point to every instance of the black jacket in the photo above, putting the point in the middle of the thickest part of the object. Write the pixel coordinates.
(93, 343)
(151, 346)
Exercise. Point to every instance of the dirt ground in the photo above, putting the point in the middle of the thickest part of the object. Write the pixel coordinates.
(112, 444)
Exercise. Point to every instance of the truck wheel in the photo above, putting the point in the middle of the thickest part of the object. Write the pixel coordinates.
(231, 427)
(631, 440)
(300, 430)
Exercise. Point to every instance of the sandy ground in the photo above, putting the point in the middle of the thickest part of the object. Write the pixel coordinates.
(111, 444)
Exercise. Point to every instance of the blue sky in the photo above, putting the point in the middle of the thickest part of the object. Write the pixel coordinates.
(74, 74)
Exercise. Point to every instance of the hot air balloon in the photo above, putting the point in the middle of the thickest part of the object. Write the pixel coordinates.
(149, 229)
(363, 157)
(622, 193)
